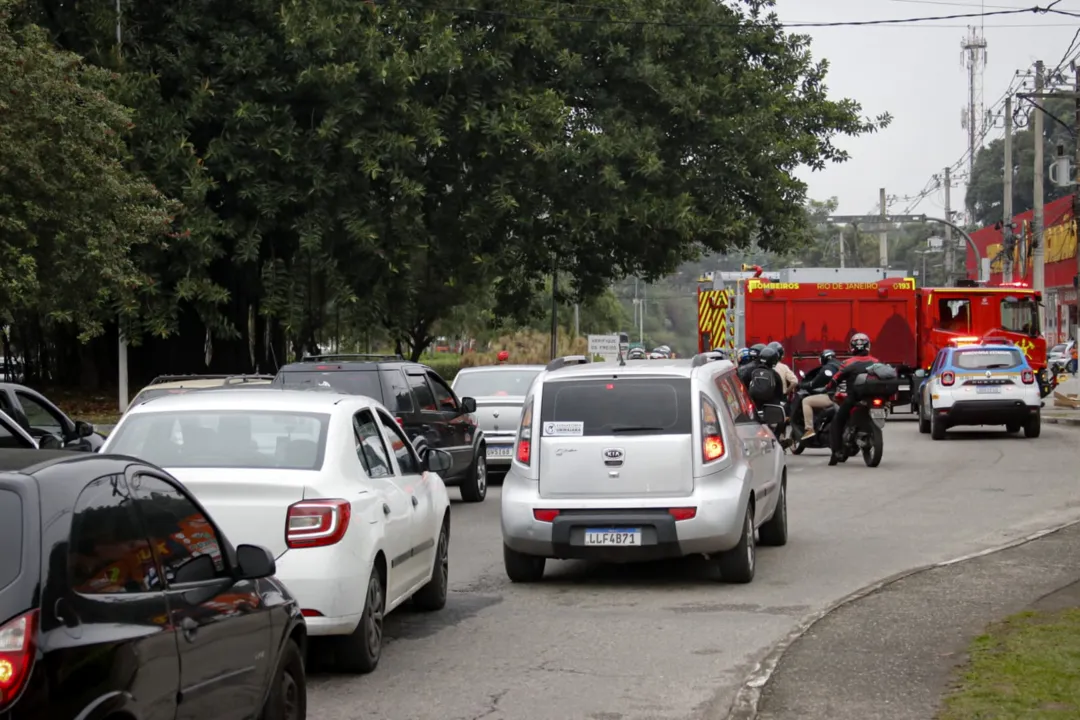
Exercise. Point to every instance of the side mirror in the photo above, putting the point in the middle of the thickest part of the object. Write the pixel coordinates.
(920, 373)
(772, 415)
(48, 441)
(436, 460)
(254, 562)
(83, 429)
(468, 405)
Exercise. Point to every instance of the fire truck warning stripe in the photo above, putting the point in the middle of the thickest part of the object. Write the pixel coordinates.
(712, 315)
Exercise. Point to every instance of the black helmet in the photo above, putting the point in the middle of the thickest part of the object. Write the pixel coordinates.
(860, 344)
(722, 352)
(745, 356)
(778, 348)
(768, 357)
(826, 356)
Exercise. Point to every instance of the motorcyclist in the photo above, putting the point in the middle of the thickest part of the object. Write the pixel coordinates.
(722, 352)
(818, 399)
(858, 363)
(767, 360)
(788, 377)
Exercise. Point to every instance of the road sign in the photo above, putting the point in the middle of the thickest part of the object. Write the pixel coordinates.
(604, 345)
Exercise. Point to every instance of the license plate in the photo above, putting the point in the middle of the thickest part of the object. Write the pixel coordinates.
(988, 390)
(877, 413)
(613, 536)
(500, 452)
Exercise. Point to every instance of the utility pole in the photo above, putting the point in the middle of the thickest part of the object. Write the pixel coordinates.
(974, 47)
(840, 239)
(641, 317)
(1007, 201)
(554, 309)
(883, 237)
(949, 245)
(577, 319)
(1038, 272)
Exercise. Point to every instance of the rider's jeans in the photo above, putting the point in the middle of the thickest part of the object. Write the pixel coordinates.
(811, 403)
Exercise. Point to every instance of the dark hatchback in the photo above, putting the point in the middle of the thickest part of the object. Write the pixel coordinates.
(119, 598)
(423, 403)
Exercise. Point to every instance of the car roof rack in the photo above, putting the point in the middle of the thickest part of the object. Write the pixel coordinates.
(562, 362)
(180, 378)
(362, 357)
(241, 379)
(705, 358)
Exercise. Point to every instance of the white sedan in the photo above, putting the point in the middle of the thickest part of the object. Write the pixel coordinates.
(330, 483)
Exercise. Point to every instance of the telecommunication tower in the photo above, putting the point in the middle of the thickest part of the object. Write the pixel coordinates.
(974, 118)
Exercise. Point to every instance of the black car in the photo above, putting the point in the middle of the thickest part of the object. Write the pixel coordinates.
(430, 412)
(37, 415)
(120, 598)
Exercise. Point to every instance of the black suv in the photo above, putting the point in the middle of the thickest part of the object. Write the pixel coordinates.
(424, 404)
(120, 598)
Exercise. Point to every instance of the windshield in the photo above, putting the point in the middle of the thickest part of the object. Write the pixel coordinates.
(346, 382)
(492, 383)
(1020, 316)
(224, 439)
(1057, 349)
(613, 406)
(987, 359)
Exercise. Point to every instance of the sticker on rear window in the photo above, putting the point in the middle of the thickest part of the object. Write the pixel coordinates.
(564, 429)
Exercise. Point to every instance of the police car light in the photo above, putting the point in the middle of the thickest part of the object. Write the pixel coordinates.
(962, 341)
(947, 378)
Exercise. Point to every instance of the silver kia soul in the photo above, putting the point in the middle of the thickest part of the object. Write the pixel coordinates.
(648, 460)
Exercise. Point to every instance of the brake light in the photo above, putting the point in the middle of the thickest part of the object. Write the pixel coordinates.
(317, 523)
(17, 649)
(546, 515)
(683, 513)
(400, 421)
(308, 612)
(878, 402)
(524, 438)
(947, 378)
(713, 447)
(1027, 377)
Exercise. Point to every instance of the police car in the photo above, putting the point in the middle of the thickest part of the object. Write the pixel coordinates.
(988, 383)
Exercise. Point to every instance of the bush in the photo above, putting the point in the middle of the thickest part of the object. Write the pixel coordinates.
(446, 364)
(527, 347)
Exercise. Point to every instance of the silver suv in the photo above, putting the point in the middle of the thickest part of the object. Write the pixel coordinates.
(642, 461)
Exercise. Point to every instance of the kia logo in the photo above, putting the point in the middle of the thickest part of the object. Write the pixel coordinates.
(613, 454)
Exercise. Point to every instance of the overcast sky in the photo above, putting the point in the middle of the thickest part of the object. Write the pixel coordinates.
(916, 73)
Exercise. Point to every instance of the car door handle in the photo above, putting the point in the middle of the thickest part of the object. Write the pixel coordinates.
(415, 502)
(385, 509)
(189, 628)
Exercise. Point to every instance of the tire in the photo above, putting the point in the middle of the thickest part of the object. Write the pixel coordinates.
(1013, 427)
(288, 693)
(872, 455)
(432, 596)
(522, 568)
(738, 564)
(937, 425)
(474, 486)
(360, 651)
(797, 448)
(774, 533)
(1033, 426)
(924, 423)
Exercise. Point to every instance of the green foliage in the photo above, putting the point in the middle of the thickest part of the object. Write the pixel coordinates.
(446, 364)
(986, 188)
(72, 214)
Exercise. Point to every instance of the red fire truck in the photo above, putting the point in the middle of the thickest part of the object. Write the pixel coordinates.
(907, 325)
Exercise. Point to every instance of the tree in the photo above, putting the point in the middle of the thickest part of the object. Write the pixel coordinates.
(72, 212)
(987, 186)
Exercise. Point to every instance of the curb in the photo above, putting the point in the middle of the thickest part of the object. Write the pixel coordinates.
(745, 704)
(1061, 420)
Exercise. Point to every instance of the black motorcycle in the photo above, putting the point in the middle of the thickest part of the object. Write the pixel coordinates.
(822, 420)
(863, 432)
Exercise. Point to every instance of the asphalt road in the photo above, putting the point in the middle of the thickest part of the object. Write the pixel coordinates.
(668, 641)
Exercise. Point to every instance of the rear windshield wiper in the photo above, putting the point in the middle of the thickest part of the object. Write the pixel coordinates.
(995, 366)
(634, 428)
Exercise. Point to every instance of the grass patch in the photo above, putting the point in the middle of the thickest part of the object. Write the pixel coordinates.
(1026, 667)
(98, 407)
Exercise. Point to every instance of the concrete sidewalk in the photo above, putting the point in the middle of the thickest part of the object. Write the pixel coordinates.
(1062, 415)
(891, 654)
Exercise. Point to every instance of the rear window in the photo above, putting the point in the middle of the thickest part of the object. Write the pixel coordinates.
(987, 359)
(494, 383)
(347, 382)
(11, 536)
(615, 406)
(224, 439)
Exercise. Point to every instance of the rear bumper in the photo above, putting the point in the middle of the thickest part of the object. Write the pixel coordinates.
(987, 412)
(330, 581)
(720, 503)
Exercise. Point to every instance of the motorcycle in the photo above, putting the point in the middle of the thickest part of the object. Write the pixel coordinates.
(863, 432)
(822, 420)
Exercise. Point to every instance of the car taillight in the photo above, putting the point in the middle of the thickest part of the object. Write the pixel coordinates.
(17, 649)
(683, 513)
(545, 515)
(947, 378)
(712, 447)
(1028, 377)
(400, 421)
(524, 438)
(877, 402)
(317, 523)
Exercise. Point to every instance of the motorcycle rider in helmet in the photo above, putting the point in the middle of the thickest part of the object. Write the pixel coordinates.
(818, 399)
(767, 360)
(860, 360)
(723, 352)
(789, 378)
